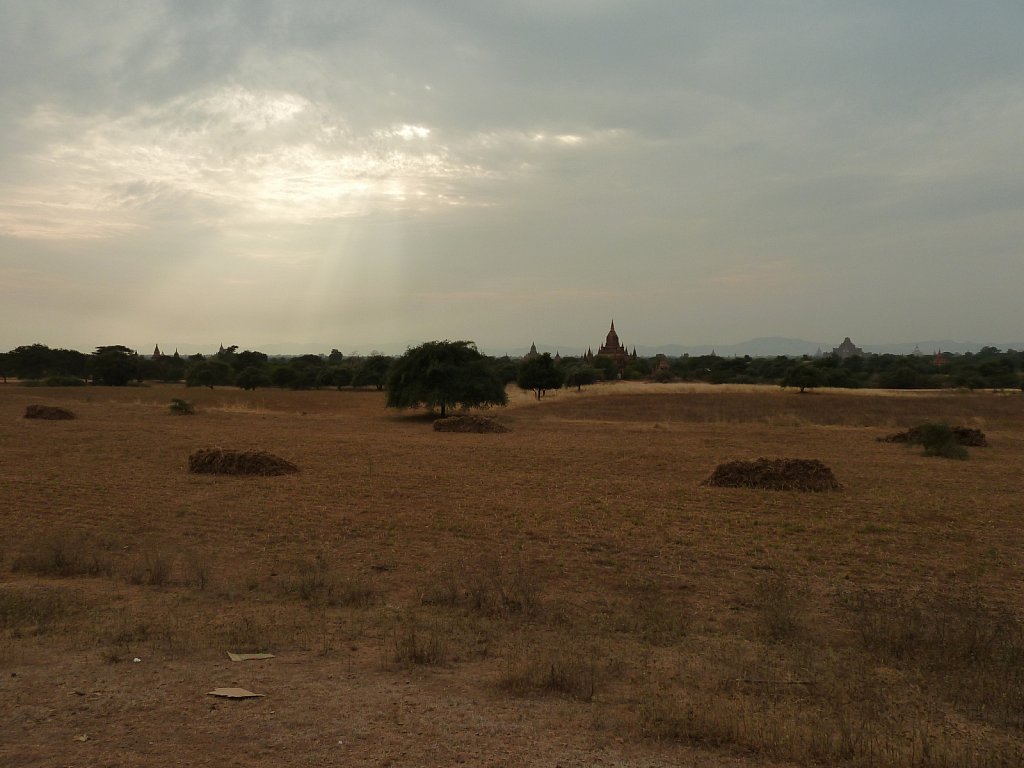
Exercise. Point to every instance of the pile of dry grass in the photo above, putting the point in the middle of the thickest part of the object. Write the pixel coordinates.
(47, 412)
(973, 438)
(776, 475)
(217, 461)
(468, 423)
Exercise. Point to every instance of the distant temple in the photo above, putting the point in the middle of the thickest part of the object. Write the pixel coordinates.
(847, 349)
(614, 349)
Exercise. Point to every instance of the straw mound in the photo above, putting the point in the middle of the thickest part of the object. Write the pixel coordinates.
(470, 423)
(776, 475)
(217, 461)
(47, 412)
(973, 438)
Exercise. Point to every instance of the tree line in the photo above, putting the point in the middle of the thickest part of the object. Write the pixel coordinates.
(118, 365)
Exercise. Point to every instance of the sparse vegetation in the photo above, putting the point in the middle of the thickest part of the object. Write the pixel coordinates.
(181, 407)
(876, 627)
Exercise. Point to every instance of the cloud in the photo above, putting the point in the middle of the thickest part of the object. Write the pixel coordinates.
(672, 159)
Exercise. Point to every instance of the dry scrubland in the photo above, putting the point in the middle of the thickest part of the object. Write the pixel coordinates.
(567, 593)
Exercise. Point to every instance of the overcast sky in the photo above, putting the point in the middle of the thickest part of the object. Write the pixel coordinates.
(187, 172)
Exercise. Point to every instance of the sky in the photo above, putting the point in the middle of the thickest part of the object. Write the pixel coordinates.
(366, 174)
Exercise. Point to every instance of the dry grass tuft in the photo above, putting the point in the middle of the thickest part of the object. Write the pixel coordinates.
(775, 475)
(469, 423)
(558, 671)
(218, 461)
(33, 610)
(51, 412)
(416, 644)
(62, 555)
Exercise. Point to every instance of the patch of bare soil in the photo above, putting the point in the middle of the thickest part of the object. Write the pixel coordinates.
(51, 412)
(775, 475)
(973, 438)
(218, 461)
(469, 423)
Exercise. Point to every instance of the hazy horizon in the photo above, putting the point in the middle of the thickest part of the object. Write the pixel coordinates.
(272, 172)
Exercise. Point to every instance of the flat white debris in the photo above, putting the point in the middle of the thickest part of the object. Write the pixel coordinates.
(249, 656)
(234, 693)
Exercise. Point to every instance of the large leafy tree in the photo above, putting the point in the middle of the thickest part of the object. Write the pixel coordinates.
(114, 365)
(372, 372)
(539, 374)
(580, 376)
(803, 375)
(443, 374)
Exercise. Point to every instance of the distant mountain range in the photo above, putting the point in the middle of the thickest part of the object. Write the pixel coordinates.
(764, 346)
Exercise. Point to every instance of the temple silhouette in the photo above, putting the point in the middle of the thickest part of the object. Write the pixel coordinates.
(614, 349)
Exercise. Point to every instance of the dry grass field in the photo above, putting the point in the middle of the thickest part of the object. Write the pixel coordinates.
(566, 594)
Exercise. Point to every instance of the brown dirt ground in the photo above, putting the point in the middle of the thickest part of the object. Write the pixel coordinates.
(659, 589)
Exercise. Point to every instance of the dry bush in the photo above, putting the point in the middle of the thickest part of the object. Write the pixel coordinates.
(490, 588)
(218, 461)
(469, 423)
(51, 412)
(315, 581)
(415, 644)
(62, 555)
(32, 610)
(494, 588)
(560, 671)
(153, 569)
(782, 604)
(180, 407)
(776, 475)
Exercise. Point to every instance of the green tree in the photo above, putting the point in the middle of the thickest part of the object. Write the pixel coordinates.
(252, 377)
(209, 373)
(114, 365)
(372, 372)
(539, 374)
(443, 374)
(609, 368)
(803, 375)
(31, 361)
(580, 376)
(247, 359)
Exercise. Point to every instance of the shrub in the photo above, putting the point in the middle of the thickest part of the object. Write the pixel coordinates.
(558, 671)
(64, 381)
(36, 608)
(940, 440)
(181, 407)
(415, 645)
(61, 555)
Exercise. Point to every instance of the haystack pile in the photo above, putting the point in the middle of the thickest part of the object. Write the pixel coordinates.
(776, 475)
(217, 461)
(973, 438)
(468, 423)
(47, 412)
